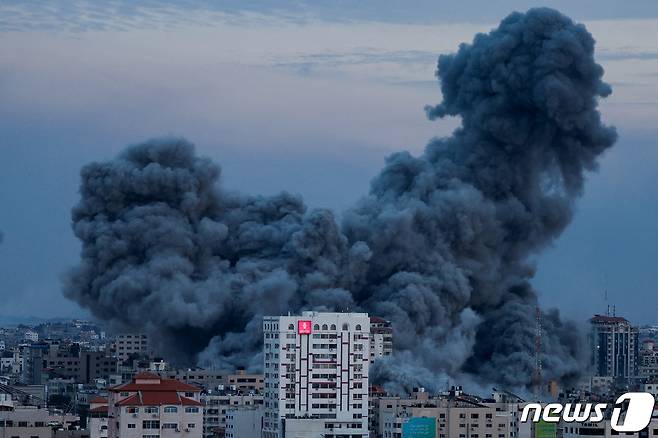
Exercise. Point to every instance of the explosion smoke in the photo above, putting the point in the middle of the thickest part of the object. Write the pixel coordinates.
(441, 246)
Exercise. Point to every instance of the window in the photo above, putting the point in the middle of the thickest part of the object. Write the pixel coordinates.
(170, 409)
(170, 425)
(191, 410)
(189, 394)
(358, 327)
(325, 327)
(151, 424)
(316, 327)
(151, 409)
(346, 326)
(132, 410)
(291, 327)
(131, 425)
(191, 425)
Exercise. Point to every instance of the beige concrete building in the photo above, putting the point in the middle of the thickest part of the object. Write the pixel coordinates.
(24, 422)
(454, 416)
(126, 344)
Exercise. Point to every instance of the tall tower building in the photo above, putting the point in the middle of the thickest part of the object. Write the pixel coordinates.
(316, 375)
(615, 347)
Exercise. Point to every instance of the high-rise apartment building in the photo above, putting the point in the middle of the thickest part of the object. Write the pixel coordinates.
(316, 375)
(615, 347)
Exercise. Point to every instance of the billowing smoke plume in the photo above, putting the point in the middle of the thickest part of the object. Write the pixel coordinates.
(441, 246)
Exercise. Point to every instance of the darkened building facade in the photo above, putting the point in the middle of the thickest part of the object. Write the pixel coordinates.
(615, 347)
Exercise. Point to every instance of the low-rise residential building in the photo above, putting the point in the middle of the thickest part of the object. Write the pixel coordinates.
(25, 422)
(244, 422)
(453, 415)
(216, 405)
(149, 406)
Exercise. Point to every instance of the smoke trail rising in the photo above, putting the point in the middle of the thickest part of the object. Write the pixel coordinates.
(441, 246)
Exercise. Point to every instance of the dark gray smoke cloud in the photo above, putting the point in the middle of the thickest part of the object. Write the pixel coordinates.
(442, 245)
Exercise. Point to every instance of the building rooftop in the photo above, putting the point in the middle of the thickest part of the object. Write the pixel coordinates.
(150, 382)
(609, 319)
(159, 398)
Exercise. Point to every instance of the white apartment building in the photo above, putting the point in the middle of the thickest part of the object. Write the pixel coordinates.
(316, 375)
(152, 407)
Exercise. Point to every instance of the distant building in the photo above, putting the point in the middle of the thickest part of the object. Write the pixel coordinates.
(316, 375)
(381, 338)
(95, 365)
(33, 362)
(31, 336)
(615, 347)
(648, 360)
(240, 381)
(128, 344)
(150, 406)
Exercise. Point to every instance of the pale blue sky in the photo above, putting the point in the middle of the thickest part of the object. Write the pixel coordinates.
(303, 96)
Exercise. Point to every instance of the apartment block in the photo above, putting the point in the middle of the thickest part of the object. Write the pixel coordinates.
(316, 375)
(216, 405)
(127, 344)
(452, 415)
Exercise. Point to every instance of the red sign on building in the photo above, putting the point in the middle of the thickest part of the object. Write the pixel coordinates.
(304, 327)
